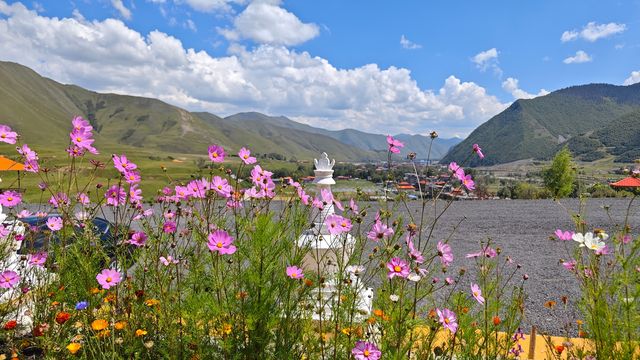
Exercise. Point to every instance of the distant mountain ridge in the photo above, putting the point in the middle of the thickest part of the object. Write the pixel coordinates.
(537, 128)
(41, 109)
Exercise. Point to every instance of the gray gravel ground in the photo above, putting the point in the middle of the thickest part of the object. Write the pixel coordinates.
(522, 229)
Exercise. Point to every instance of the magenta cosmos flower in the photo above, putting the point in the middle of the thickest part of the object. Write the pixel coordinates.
(7, 135)
(457, 171)
(169, 227)
(394, 144)
(10, 198)
(122, 164)
(337, 224)
(398, 267)
(564, 235)
(221, 186)
(221, 242)
(116, 196)
(379, 231)
(245, 156)
(478, 150)
(83, 140)
(477, 293)
(28, 154)
(444, 251)
(295, 272)
(448, 319)
(108, 278)
(54, 223)
(38, 259)
(216, 153)
(468, 182)
(9, 279)
(365, 351)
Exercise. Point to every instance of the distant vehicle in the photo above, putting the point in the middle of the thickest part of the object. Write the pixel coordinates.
(412, 197)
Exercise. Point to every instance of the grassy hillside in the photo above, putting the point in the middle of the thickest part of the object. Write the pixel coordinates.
(533, 128)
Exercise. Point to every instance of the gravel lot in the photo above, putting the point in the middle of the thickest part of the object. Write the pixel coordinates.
(522, 229)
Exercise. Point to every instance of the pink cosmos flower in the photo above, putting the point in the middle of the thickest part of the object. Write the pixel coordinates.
(169, 227)
(477, 293)
(303, 196)
(445, 253)
(221, 242)
(7, 135)
(83, 140)
(199, 188)
(295, 272)
(398, 267)
(54, 223)
(108, 278)
(166, 261)
(79, 123)
(116, 195)
(24, 213)
(468, 182)
(246, 157)
(365, 351)
(27, 153)
(4, 232)
(570, 265)
(135, 194)
(478, 150)
(138, 239)
(327, 196)
(448, 319)
(394, 144)
(59, 199)
(131, 177)
(486, 251)
(8, 279)
(626, 239)
(221, 186)
(414, 253)
(182, 192)
(122, 164)
(605, 250)
(564, 235)
(353, 206)
(31, 166)
(379, 231)
(337, 224)
(458, 172)
(216, 153)
(38, 259)
(83, 199)
(317, 203)
(10, 198)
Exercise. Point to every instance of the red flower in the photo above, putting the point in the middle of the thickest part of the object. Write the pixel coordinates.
(559, 349)
(62, 317)
(496, 320)
(10, 325)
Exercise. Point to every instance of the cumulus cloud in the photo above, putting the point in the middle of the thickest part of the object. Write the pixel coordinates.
(511, 86)
(208, 6)
(578, 58)
(408, 44)
(633, 79)
(124, 12)
(265, 22)
(487, 60)
(108, 56)
(593, 31)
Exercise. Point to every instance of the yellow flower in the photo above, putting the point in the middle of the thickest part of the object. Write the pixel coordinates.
(120, 325)
(104, 333)
(110, 297)
(95, 290)
(226, 328)
(151, 302)
(141, 332)
(73, 348)
(346, 331)
(99, 324)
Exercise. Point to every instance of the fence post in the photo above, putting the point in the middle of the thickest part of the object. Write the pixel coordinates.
(532, 343)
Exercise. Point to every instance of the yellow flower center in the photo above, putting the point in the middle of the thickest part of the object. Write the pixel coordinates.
(109, 279)
(78, 139)
(4, 135)
(10, 198)
(475, 293)
(214, 154)
(446, 321)
(344, 224)
(219, 244)
(294, 275)
(219, 187)
(366, 353)
(397, 268)
(246, 156)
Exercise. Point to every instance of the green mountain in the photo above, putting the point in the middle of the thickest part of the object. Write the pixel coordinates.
(370, 142)
(535, 128)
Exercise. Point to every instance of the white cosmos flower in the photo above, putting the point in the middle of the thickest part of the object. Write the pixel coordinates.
(394, 297)
(593, 243)
(414, 277)
(580, 238)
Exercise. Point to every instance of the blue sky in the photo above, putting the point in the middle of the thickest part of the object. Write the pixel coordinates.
(379, 66)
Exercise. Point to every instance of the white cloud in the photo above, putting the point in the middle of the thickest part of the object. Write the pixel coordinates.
(594, 31)
(511, 85)
(265, 22)
(209, 5)
(487, 60)
(578, 58)
(38, 7)
(108, 56)
(124, 12)
(189, 24)
(633, 79)
(408, 44)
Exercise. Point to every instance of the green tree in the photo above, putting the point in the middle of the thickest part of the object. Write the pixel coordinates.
(559, 177)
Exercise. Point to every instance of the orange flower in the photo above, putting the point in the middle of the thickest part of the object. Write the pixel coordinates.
(465, 310)
(378, 312)
(582, 334)
(550, 304)
(10, 325)
(120, 325)
(110, 297)
(99, 324)
(496, 320)
(62, 317)
(579, 322)
(141, 332)
(104, 333)
(55, 303)
(95, 290)
(559, 349)
(73, 348)
(308, 282)
(151, 302)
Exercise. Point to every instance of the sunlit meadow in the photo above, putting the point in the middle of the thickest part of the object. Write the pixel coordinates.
(213, 268)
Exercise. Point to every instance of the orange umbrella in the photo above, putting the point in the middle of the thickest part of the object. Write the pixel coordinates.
(10, 165)
(632, 182)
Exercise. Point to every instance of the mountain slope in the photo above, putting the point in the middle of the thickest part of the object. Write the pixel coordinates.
(533, 128)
